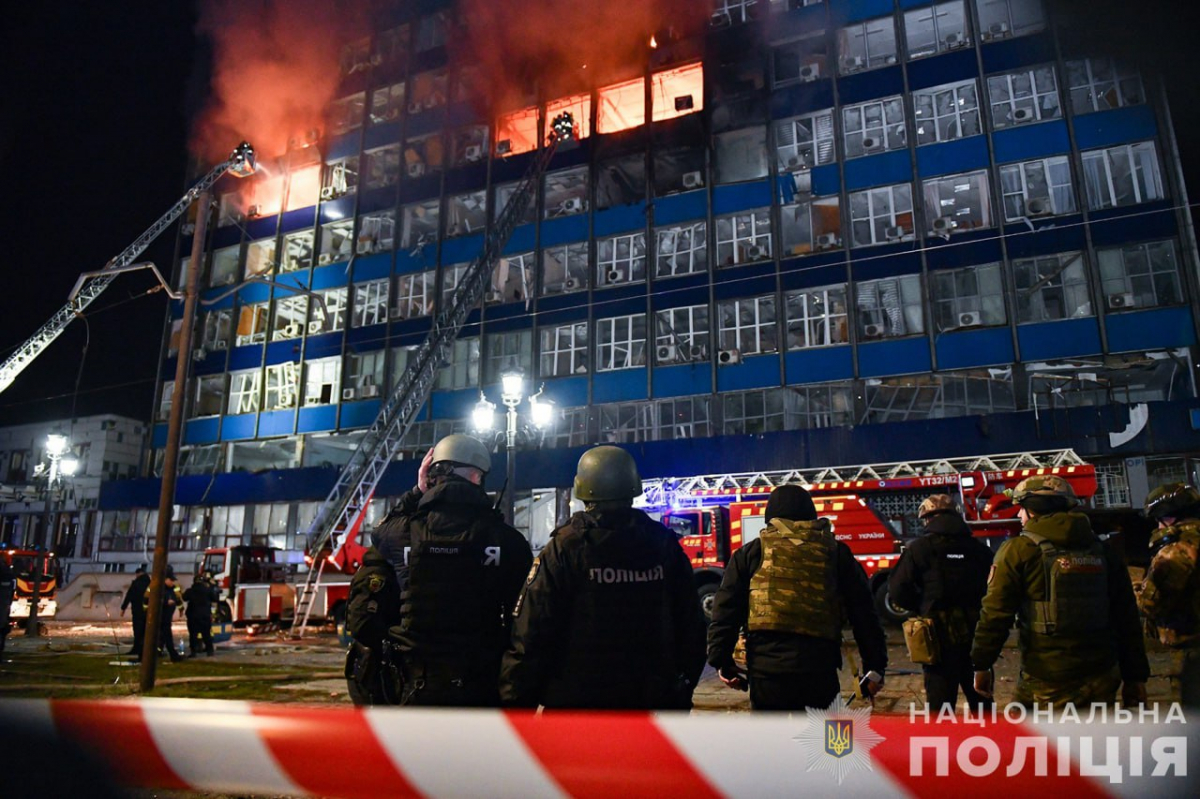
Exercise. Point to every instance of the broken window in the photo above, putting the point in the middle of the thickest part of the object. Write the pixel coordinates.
(804, 60)
(265, 197)
(512, 279)
(747, 328)
(563, 350)
(504, 194)
(1099, 84)
(507, 351)
(958, 202)
(225, 266)
(346, 114)
(431, 31)
(217, 329)
(423, 155)
(735, 12)
(874, 127)
(244, 389)
(469, 144)
(337, 242)
(945, 113)
(364, 375)
(620, 342)
(811, 226)
(164, 410)
(681, 249)
(1037, 188)
(428, 91)
(866, 45)
(370, 303)
(229, 209)
(252, 323)
(936, 29)
(932, 396)
(391, 47)
(999, 19)
(329, 316)
(680, 91)
(517, 132)
(621, 259)
(462, 370)
(678, 170)
(564, 268)
(752, 412)
(744, 238)
(1124, 175)
(1051, 287)
(681, 335)
(621, 181)
(298, 251)
(972, 296)
(414, 295)
(210, 395)
(420, 224)
(260, 257)
(356, 56)
(401, 358)
(452, 275)
(383, 167)
(387, 103)
(468, 84)
(816, 317)
(890, 307)
(377, 232)
(805, 141)
(321, 380)
(621, 106)
(280, 387)
(1140, 275)
(466, 213)
(791, 408)
(566, 192)
(741, 155)
(304, 186)
(1030, 95)
(881, 215)
(1155, 376)
(290, 314)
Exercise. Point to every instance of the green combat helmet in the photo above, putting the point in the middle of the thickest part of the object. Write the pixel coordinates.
(463, 450)
(1045, 494)
(1171, 500)
(607, 473)
(937, 503)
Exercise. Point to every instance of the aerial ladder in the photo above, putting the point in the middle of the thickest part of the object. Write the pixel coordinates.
(340, 513)
(241, 163)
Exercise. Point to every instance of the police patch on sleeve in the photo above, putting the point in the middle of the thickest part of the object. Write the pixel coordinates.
(533, 570)
(991, 573)
(375, 583)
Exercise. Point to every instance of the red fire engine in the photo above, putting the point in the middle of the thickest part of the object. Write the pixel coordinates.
(23, 562)
(872, 508)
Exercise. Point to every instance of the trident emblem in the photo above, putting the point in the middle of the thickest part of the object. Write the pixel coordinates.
(839, 737)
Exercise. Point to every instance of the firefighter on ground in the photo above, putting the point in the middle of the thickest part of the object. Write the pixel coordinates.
(1170, 594)
(135, 600)
(609, 617)
(172, 600)
(200, 597)
(942, 576)
(1079, 634)
(791, 589)
(459, 569)
(371, 610)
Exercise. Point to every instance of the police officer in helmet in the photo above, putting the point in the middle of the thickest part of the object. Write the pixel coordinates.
(609, 617)
(459, 569)
(1073, 603)
(1170, 593)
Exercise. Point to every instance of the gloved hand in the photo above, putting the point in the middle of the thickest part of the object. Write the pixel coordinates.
(985, 683)
(1133, 694)
(733, 677)
(870, 684)
(423, 472)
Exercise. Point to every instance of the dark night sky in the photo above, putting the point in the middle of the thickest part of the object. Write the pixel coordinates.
(92, 133)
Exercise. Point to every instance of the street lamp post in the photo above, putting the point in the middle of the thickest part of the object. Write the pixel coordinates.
(512, 392)
(59, 467)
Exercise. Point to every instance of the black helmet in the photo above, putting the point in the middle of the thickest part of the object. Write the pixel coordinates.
(607, 473)
(463, 451)
(1171, 499)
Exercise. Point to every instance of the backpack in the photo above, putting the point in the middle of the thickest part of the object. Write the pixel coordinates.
(1076, 590)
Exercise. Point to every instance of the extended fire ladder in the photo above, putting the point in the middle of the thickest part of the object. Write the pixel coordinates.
(666, 491)
(349, 497)
(240, 163)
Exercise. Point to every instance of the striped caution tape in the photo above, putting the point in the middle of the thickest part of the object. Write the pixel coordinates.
(352, 753)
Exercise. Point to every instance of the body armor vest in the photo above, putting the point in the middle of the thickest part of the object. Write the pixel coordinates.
(1076, 590)
(795, 588)
(1179, 624)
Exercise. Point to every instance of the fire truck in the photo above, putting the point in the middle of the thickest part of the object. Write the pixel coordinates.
(23, 562)
(872, 508)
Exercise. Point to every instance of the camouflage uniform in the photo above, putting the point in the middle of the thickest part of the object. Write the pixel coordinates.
(1170, 593)
(1097, 645)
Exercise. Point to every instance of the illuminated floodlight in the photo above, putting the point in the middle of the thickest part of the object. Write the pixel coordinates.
(484, 415)
(512, 386)
(68, 466)
(56, 445)
(541, 411)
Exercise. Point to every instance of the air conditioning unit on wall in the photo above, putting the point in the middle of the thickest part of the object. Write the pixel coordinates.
(872, 331)
(665, 352)
(1038, 206)
(1121, 301)
(969, 319)
(693, 180)
(729, 357)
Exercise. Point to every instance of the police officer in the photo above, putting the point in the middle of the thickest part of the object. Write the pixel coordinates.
(200, 596)
(1079, 633)
(790, 589)
(609, 617)
(1170, 593)
(135, 601)
(172, 600)
(372, 609)
(943, 576)
(459, 569)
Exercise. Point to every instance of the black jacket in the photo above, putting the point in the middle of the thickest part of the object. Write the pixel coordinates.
(439, 629)
(135, 597)
(943, 570)
(200, 597)
(769, 652)
(374, 602)
(609, 618)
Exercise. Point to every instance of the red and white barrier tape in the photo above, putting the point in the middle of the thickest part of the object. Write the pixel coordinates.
(215, 745)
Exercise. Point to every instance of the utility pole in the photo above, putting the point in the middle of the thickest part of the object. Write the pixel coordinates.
(166, 498)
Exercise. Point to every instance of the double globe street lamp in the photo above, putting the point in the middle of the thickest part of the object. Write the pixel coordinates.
(541, 413)
(53, 470)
